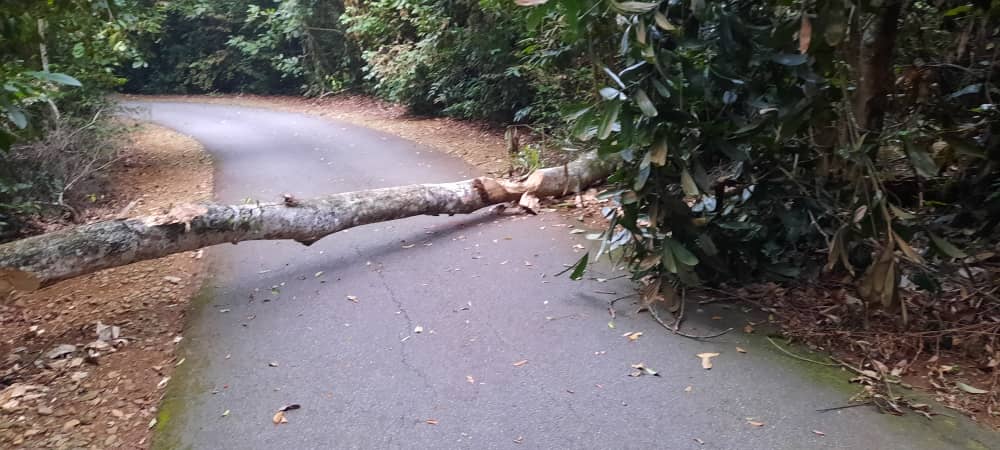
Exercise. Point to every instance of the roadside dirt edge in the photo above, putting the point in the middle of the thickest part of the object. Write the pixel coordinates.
(63, 384)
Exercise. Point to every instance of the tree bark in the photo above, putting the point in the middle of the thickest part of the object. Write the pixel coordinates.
(874, 66)
(41, 260)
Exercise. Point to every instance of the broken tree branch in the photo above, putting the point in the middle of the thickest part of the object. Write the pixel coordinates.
(39, 261)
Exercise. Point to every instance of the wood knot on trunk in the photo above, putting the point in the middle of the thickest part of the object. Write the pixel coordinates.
(480, 188)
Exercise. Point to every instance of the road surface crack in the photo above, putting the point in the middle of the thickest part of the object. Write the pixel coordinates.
(404, 359)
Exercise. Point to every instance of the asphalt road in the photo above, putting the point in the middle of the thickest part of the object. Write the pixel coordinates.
(271, 330)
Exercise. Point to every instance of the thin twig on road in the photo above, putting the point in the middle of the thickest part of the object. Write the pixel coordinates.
(656, 316)
(852, 405)
(800, 358)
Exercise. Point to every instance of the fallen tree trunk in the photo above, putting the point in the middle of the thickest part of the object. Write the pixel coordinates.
(41, 260)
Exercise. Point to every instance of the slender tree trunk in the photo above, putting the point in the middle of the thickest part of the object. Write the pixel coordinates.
(38, 261)
(43, 52)
(874, 66)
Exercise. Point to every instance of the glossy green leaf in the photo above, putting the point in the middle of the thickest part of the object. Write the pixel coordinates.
(610, 93)
(662, 22)
(58, 78)
(645, 104)
(958, 10)
(681, 253)
(668, 260)
(688, 184)
(614, 77)
(946, 248)
(790, 59)
(921, 160)
(901, 213)
(634, 7)
(17, 117)
(610, 117)
(973, 88)
(707, 245)
(642, 176)
(580, 267)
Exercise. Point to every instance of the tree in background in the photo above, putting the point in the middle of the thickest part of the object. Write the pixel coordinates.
(60, 58)
(289, 47)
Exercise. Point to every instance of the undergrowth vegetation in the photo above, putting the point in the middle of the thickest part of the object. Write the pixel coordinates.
(60, 58)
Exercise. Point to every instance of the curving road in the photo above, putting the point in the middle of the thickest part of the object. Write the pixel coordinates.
(270, 329)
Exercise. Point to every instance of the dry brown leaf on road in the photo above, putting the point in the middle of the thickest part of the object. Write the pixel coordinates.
(706, 360)
(279, 417)
(970, 389)
(633, 335)
(641, 369)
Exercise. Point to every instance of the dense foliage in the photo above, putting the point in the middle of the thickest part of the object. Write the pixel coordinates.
(59, 59)
(469, 59)
(756, 133)
(294, 46)
(481, 59)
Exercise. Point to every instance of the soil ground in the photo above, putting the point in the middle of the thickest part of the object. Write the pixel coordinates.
(106, 396)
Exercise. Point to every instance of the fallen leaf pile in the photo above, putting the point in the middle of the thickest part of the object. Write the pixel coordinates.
(958, 368)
